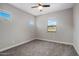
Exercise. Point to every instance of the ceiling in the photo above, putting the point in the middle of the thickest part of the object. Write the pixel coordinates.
(36, 12)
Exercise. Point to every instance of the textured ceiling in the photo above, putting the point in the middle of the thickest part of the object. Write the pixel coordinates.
(53, 7)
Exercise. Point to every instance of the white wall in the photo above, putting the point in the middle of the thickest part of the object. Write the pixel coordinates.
(64, 21)
(76, 27)
(19, 30)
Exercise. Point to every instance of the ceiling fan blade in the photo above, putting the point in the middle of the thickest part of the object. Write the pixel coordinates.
(34, 6)
(39, 4)
(46, 5)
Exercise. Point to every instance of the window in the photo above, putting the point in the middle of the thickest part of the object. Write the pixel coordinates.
(5, 15)
(51, 26)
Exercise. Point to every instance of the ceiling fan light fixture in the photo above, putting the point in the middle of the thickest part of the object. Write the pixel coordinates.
(40, 7)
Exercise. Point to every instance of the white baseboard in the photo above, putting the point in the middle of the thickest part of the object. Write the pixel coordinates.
(56, 41)
(3, 49)
(76, 49)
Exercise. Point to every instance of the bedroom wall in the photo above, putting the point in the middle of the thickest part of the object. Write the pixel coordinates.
(64, 20)
(18, 30)
(76, 27)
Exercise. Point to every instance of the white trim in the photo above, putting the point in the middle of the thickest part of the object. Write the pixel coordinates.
(3, 49)
(76, 49)
(6, 48)
(57, 41)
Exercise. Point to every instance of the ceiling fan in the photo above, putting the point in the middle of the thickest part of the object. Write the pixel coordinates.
(40, 6)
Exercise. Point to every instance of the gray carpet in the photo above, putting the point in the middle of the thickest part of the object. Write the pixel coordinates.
(41, 48)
